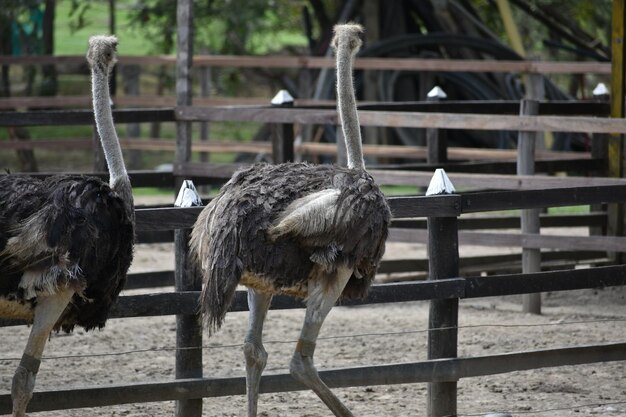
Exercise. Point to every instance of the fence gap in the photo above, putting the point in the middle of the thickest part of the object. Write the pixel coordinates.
(443, 262)
(531, 258)
(131, 75)
(188, 327)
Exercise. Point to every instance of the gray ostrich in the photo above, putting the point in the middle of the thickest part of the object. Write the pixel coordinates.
(309, 231)
(66, 242)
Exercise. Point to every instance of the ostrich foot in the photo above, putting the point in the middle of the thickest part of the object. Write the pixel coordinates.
(303, 370)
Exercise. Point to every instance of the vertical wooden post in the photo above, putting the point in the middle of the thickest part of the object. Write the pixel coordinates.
(618, 89)
(600, 150)
(205, 91)
(188, 327)
(436, 141)
(282, 133)
(531, 258)
(443, 262)
(112, 31)
(371, 15)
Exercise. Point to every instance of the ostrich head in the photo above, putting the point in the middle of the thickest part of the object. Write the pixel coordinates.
(101, 54)
(348, 34)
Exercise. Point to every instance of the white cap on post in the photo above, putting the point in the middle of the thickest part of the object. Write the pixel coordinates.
(281, 98)
(188, 195)
(440, 183)
(600, 90)
(437, 92)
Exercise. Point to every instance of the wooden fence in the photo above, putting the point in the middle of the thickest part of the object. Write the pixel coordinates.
(441, 368)
(444, 287)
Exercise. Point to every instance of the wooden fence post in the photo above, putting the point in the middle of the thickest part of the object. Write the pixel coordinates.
(443, 262)
(618, 110)
(188, 327)
(436, 138)
(600, 150)
(531, 258)
(205, 91)
(282, 133)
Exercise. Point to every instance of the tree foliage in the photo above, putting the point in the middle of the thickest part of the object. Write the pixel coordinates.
(221, 26)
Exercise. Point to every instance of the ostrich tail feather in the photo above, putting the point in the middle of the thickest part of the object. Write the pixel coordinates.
(214, 251)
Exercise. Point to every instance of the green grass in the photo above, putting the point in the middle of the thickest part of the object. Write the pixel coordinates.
(75, 43)
(152, 191)
(569, 210)
(399, 190)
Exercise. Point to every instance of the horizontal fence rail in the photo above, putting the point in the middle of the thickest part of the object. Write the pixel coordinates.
(187, 302)
(556, 107)
(406, 119)
(83, 117)
(170, 218)
(404, 373)
(409, 64)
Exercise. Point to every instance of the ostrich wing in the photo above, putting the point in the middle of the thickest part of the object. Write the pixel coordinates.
(308, 216)
(350, 223)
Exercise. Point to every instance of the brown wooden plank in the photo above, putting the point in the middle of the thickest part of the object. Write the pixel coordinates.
(149, 280)
(495, 285)
(580, 107)
(600, 243)
(196, 169)
(405, 119)
(422, 179)
(450, 205)
(51, 144)
(167, 218)
(574, 167)
(440, 206)
(415, 372)
(397, 151)
(410, 64)
(493, 181)
(137, 178)
(420, 152)
(597, 219)
(555, 197)
(82, 117)
(488, 122)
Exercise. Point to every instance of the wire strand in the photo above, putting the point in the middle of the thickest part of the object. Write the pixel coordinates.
(276, 342)
(546, 410)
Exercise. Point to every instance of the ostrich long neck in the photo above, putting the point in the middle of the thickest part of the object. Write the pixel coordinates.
(346, 103)
(118, 177)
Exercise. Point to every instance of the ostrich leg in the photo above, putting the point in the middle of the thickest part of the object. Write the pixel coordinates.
(321, 300)
(47, 312)
(255, 354)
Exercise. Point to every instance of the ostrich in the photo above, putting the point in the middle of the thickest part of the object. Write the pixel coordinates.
(66, 242)
(308, 231)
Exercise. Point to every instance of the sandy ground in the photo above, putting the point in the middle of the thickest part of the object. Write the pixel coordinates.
(355, 336)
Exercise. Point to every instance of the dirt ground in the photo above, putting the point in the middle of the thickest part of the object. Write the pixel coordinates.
(370, 335)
